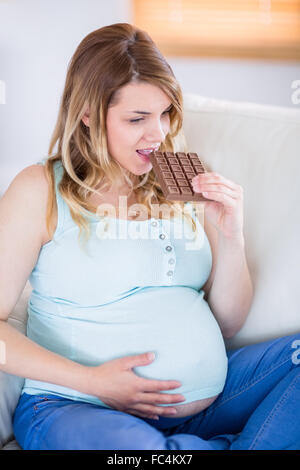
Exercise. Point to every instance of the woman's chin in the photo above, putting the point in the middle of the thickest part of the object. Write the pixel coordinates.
(143, 171)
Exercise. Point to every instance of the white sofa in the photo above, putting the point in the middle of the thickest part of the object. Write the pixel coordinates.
(258, 147)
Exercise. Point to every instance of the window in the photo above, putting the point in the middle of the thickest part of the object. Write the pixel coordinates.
(266, 29)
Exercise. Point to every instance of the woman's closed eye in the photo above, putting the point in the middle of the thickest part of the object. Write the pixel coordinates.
(142, 119)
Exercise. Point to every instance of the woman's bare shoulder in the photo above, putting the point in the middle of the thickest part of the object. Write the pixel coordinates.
(31, 184)
(35, 173)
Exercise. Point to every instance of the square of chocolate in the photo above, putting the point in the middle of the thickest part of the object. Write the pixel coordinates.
(175, 172)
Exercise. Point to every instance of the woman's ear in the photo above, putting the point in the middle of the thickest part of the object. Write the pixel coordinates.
(86, 118)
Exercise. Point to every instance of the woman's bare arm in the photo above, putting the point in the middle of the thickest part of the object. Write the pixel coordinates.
(22, 357)
(22, 222)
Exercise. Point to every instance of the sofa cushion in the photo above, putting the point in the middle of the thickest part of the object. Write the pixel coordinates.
(11, 385)
(12, 445)
(257, 146)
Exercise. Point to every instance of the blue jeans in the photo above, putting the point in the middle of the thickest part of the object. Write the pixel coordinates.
(259, 408)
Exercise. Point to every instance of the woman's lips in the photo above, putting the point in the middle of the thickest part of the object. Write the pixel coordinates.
(144, 157)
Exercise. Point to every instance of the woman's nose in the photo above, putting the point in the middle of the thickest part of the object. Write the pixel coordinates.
(157, 132)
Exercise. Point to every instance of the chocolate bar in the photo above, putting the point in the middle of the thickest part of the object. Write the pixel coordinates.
(175, 172)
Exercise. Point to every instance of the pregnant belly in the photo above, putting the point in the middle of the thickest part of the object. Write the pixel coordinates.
(178, 326)
(175, 323)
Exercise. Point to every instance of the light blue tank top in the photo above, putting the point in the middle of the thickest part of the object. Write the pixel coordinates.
(135, 288)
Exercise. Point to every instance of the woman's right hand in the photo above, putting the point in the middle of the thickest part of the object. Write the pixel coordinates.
(116, 385)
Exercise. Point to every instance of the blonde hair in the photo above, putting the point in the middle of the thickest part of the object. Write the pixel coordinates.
(106, 60)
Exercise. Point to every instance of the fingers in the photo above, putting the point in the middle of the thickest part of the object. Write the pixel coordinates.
(217, 182)
(212, 189)
(150, 385)
(221, 197)
(211, 176)
(219, 193)
(136, 360)
(163, 398)
(142, 415)
(216, 188)
(147, 411)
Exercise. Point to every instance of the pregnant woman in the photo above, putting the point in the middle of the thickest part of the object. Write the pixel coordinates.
(119, 272)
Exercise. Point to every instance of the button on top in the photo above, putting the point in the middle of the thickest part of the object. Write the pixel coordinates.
(154, 224)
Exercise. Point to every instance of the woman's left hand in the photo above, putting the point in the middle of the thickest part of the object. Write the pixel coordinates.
(224, 207)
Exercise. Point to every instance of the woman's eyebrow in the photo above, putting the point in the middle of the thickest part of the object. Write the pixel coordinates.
(146, 112)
